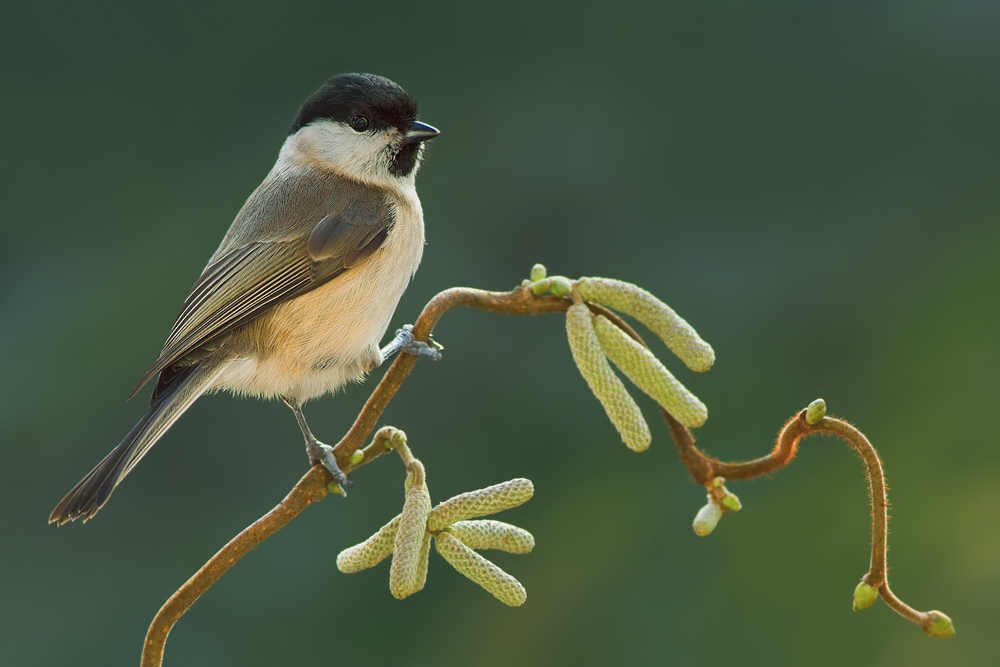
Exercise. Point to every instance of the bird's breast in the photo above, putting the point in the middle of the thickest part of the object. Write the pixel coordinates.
(314, 343)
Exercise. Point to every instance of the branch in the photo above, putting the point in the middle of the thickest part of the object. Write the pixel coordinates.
(313, 486)
(521, 301)
(704, 468)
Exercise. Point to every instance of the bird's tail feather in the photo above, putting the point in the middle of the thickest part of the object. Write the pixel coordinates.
(93, 491)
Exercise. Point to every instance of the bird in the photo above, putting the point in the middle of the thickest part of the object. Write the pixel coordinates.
(299, 294)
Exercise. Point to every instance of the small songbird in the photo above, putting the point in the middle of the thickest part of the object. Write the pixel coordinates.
(294, 302)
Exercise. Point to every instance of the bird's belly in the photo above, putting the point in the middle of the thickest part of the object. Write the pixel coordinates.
(317, 342)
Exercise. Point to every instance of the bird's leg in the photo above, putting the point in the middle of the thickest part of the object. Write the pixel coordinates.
(318, 452)
(404, 342)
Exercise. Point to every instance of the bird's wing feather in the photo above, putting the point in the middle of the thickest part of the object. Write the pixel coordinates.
(252, 278)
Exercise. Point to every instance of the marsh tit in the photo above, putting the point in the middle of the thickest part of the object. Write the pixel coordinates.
(294, 302)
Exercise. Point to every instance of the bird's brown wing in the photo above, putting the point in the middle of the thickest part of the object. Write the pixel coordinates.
(251, 279)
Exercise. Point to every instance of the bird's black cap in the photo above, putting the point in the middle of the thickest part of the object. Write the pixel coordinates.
(346, 95)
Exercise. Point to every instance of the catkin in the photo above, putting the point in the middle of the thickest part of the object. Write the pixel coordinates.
(609, 390)
(425, 550)
(490, 500)
(646, 371)
(371, 552)
(632, 300)
(504, 587)
(405, 571)
(489, 534)
(707, 519)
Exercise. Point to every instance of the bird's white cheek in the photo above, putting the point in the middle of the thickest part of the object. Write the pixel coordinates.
(365, 156)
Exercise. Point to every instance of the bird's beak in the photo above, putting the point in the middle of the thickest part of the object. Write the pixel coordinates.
(419, 132)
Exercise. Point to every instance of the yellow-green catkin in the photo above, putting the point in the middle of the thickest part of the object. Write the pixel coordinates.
(489, 534)
(707, 519)
(490, 500)
(646, 371)
(504, 587)
(609, 390)
(404, 574)
(371, 552)
(425, 551)
(632, 300)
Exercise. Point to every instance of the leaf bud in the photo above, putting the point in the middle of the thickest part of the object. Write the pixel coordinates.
(864, 596)
(941, 626)
(561, 286)
(816, 411)
(731, 502)
(540, 287)
(538, 272)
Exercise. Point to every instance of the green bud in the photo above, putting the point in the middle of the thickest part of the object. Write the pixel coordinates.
(718, 481)
(816, 411)
(538, 272)
(707, 519)
(357, 457)
(540, 287)
(864, 596)
(561, 286)
(333, 487)
(732, 502)
(941, 626)
(525, 282)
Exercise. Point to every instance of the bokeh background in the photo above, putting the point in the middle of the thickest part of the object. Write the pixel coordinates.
(812, 185)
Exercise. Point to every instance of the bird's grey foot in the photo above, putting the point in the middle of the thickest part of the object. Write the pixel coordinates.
(317, 451)
(405, 342)
(320, 453)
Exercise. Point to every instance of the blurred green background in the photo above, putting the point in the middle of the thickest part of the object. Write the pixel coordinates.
(813, 185)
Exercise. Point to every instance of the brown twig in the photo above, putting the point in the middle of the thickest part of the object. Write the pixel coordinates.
(313, 486)
(704, 468)
(310, 488)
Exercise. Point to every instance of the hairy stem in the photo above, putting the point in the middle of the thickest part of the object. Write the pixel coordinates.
(310, 488)
(704, 468)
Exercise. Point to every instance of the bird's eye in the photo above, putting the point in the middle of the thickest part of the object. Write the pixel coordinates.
(360, 123)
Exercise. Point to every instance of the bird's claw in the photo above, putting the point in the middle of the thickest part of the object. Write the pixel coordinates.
(405, 342)
(323, 454)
